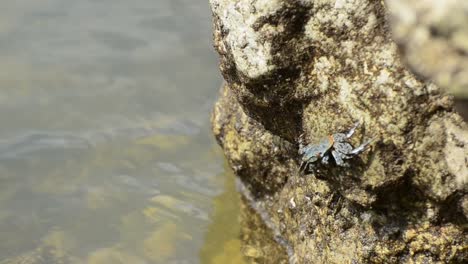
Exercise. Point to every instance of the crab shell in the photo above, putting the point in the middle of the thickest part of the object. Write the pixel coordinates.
(312, 153)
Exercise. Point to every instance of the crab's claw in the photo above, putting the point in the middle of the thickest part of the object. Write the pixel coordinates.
(363, 146)
(352, 130)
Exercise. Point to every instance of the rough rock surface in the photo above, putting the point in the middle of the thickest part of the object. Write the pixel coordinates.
(315, 67)
(433, 36)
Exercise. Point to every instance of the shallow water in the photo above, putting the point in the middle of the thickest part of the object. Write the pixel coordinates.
(106, 154)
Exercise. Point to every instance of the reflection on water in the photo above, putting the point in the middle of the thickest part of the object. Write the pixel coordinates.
(223, 243)
(105, 150)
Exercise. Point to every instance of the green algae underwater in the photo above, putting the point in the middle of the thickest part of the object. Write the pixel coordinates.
(114, 218)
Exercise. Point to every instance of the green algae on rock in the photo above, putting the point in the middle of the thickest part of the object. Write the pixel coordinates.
(314, 68)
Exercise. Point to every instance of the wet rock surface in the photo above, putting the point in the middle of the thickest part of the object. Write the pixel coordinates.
(315, 68)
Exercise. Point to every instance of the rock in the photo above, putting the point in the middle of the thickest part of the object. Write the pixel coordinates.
(54, 247)
(433, 37)
(315, 68)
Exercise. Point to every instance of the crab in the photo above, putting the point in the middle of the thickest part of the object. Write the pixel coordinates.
(334, 146)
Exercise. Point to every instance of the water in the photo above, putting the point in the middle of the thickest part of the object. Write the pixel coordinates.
(106, 154)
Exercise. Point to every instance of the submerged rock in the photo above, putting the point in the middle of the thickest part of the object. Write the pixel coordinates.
(315, 68)
(53, 248)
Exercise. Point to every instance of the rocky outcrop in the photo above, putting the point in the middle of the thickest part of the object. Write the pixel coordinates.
(433, 37)
(314, 68)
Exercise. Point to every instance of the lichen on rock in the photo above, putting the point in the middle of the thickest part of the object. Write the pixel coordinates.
(314, 68)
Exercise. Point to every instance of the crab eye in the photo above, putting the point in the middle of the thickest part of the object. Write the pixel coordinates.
(319, 154)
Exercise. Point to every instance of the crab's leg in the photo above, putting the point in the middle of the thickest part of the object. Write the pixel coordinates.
(303, 166)
(352, 130)
(361, 148)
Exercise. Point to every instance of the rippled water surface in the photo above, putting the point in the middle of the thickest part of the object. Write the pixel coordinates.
(106, 154)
